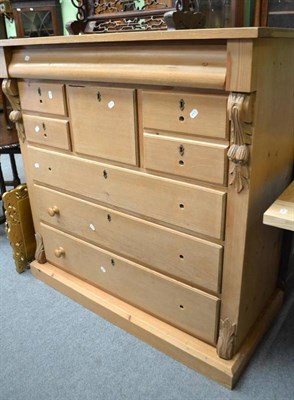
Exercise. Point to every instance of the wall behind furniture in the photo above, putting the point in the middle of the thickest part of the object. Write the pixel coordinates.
(68, 14)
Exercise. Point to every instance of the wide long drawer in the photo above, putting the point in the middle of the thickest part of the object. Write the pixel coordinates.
(181, 305)
(195, 261)
(189, 206)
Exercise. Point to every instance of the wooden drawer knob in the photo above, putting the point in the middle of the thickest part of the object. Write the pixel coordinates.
(53, 211)
(59, 252)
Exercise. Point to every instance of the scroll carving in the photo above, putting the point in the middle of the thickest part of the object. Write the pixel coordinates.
(9, 87)
(240, 116)
(40, 251)
(19, 226)
(226, 341)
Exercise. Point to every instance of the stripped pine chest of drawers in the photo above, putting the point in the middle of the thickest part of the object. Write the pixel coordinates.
(150, 160)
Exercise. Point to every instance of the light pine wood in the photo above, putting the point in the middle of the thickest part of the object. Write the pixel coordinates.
(281, 212)
(186, 35)
(207, 64)
(252, 250)
(193, 352)
(5, 55)
(106, 116)
(47, 131)
(192, 260)
(43, 97)
(239, 66)
(194, 114)
(185, 65)
(182, 306)
(187, 158)
(185, 205)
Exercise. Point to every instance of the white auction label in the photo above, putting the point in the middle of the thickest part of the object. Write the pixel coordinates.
(92, 227)
(37, 129)
(50, 94)
(194, 113)
(283, 211)
(37, 165)
(111, 104)
(103, 269)
(27, 58)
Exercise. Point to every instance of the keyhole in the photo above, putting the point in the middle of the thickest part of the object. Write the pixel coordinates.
(112, 262)
(181, 306)
(181, 150)
(181, 118)
(44, 126)
(105, 174)
(181, 256)
(39, 91)
(181, 205)
(181, 162)
(109, 217)
(182, 105)
(98, 96)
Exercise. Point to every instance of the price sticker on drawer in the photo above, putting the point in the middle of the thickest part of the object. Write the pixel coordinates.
(103, 269)
(92, 227)
(37, 129)
(111, 104)
(194, 113)
(37, 165)
(27, 58)
(50, 94)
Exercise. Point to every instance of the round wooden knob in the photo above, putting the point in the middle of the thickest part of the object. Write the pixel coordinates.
(59, 252)
(15, 116)
(53, 211)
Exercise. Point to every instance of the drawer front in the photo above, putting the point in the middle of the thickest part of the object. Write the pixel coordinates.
(47, 98)
(189, 206)
(194, 114)
(194, 261)
(47, 131)
(103, 122)
(181, 305)
(191, 159)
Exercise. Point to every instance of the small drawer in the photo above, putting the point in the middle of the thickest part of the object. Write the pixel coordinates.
(187, 158)
(103, 122)
(42, 97)
(185, 205)
(47, 131)
(187, 308)
(193, 114)
(189, 259)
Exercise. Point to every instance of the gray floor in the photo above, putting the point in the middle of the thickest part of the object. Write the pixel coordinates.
(53, 348)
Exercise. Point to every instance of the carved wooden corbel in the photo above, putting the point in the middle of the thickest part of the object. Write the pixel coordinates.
(9, 87)
(226, 341)
(19, 226)
(40, 251)
(240, 112)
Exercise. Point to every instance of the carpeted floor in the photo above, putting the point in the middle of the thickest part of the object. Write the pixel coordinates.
(54, 349)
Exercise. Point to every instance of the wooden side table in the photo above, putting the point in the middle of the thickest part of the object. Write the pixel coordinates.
(281, 212)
